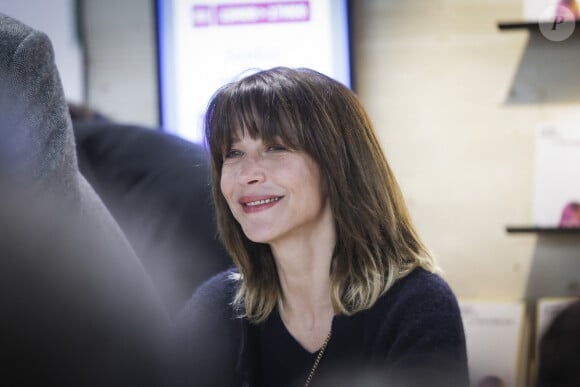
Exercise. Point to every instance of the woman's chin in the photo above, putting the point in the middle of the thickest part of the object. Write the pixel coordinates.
(259, 236)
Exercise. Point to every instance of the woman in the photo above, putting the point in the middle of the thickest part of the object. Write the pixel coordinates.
(331, 277)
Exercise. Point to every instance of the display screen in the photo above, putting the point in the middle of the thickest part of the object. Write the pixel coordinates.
(203, 45)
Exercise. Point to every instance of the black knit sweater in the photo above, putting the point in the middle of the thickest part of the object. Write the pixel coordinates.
(412, 336)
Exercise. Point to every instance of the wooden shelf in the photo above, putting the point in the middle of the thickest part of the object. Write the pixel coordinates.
(542, 230)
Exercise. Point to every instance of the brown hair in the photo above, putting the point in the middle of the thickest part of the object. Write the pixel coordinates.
(376, 240)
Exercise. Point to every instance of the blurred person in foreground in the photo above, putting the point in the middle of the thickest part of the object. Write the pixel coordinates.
(77, 307)
(333, 284)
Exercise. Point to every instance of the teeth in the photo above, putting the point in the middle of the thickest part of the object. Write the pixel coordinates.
(263, 201)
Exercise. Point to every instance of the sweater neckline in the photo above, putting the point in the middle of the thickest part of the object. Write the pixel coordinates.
(276, 320)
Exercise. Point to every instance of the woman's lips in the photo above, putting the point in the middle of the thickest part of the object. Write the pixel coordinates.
(258, 203)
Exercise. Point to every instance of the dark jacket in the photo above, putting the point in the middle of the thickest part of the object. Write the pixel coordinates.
(77, 307)
(413, 335)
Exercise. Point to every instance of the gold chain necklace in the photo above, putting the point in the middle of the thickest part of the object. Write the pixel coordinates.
(318, 358)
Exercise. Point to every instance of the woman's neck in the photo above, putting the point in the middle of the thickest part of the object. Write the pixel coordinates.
(306, 296)
(303, 266)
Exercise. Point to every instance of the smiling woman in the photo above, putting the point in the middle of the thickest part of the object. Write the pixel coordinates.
(330, 272)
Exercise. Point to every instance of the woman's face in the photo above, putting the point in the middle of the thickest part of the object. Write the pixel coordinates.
(273, 192)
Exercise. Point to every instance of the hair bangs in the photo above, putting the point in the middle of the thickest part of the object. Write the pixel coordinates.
(255, 108)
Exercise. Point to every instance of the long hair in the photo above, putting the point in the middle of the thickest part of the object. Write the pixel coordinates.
(376, 242)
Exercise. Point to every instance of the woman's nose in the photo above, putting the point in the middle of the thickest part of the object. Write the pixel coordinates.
(252, 170)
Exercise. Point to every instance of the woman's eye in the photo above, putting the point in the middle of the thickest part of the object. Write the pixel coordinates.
(233, 153)
(277, 147)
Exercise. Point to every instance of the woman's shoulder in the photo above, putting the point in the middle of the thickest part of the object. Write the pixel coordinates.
(418, 322)
(421, 282)
(214, 297)
(206, 334)
(420, 292)
(221, 285)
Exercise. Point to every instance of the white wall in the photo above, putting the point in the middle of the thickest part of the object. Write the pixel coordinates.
(57, 19)
(456, 103)
(121, 63)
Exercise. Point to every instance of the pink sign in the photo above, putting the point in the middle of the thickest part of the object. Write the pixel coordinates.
(251, 13)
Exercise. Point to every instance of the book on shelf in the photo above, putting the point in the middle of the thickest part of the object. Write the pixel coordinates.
(497, 342)
(557, 161)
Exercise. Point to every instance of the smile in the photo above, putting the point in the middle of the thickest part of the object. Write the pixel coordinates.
(263, 201)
